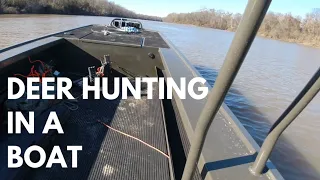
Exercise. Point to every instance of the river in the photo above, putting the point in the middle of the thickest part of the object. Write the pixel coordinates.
(272, 75)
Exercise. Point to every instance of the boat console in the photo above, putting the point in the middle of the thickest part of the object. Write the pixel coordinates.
(122, 22)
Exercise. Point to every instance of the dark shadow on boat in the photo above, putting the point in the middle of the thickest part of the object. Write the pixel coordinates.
(81, 126)
(211, 166)
(287, 159)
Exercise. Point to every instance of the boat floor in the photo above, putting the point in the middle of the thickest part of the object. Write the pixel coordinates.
(107, 154)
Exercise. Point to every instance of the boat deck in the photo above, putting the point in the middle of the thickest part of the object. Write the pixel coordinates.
(93, 33)
(108, 154)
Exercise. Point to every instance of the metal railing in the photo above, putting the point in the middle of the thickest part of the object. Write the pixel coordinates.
(295, 108)
(244, 36)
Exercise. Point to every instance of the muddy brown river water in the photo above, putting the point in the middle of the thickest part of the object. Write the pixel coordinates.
(271, 77)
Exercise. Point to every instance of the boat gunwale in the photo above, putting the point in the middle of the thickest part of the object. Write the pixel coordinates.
(236, 125)
(39, 38)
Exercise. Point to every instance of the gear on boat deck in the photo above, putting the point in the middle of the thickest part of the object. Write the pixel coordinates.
(108, 154)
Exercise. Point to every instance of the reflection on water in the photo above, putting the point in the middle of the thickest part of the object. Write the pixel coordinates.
(272, 75)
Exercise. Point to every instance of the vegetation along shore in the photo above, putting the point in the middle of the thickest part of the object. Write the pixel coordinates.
(285, 27)
(71, 7)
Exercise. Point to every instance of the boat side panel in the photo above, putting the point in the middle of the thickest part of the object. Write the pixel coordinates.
(228, 150)
(37, 39)
(15, 61)
(13, 55)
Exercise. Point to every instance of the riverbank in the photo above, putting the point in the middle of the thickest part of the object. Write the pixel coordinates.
(315, 43)
(283, 27)
(70, 7)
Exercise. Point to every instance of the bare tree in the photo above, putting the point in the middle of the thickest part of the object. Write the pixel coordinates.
(275, 25)
(76, 7)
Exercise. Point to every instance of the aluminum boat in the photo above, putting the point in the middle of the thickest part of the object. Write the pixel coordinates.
(190, 139)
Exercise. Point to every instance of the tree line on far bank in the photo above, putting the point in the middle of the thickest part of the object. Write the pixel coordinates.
(72, 7)
(279, 26)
